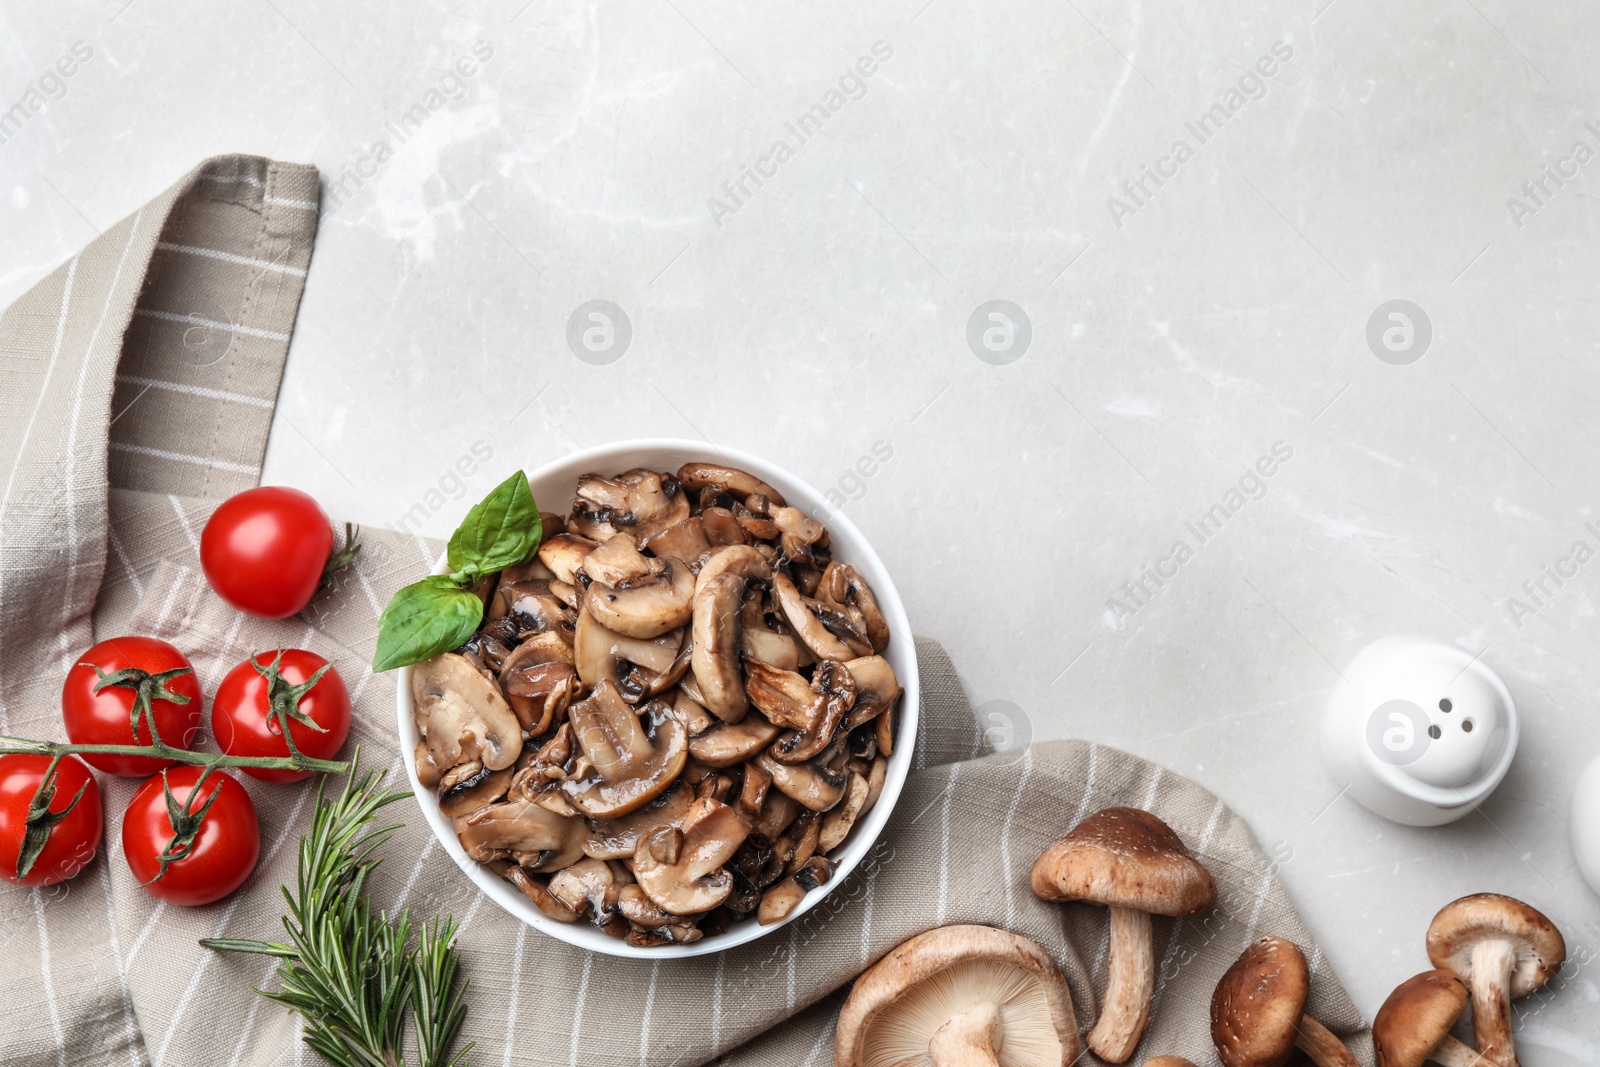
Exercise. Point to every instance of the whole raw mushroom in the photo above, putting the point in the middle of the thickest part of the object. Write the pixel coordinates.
(959, 996)
(1503, 949)
(1258, 1011)
(1413, 1026)
(1131, 862)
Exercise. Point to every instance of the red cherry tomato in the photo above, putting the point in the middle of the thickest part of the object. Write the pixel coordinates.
(262, 694)
(73, 839)
(105, 718)
(222, 852)
(265, 550)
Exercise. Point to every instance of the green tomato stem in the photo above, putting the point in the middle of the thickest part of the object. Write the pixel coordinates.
(25, 746)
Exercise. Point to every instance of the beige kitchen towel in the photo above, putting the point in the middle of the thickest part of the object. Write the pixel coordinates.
(102, 973)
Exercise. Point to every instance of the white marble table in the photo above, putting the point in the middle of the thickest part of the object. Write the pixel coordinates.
(491, 170)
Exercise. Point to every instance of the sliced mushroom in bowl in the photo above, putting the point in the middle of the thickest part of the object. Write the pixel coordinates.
(683, 719)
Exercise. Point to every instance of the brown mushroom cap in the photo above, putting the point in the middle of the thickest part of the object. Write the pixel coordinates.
(1462, 924)
(1258, 1004)
(900, 1003)
(1417, 1017)
(1128, 858)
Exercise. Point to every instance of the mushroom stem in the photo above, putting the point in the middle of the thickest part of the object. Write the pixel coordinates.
(1455, 1053)
(1492, 963)
(967, 1039)
(1131, 977)
(1318, 1042)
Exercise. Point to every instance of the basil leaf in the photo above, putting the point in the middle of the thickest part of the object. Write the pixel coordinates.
(424, 619)
(502, 529)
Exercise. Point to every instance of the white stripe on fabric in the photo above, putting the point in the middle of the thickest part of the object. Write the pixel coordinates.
(115, 942)
(284, 201)
(144, 934)
(1177, 928)
(1316, 961)
(44, 974)
(868, 896)
(366, 587)
(1255, 912)
(199, 390)
(644, 1024)
(1005, 834)
(200, 968)
(179, 457)
(816, 1049)
(411, 880)
(472, 911)
(27, 432)
(794, 951)
(215, 324)
(127, 564)
(250, 1017)
(1088, 784)
(183, 521)
(577, 1008)
(1150, 796)
(229, 257)
(716, 1007)
(944, 842)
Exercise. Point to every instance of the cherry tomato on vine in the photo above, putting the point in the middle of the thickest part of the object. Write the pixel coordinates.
(267, 550)
(139, 678)
(189, 845)
(67, 824)
(289, 688)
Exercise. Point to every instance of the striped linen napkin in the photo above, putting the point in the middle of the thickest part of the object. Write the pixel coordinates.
(140, 381)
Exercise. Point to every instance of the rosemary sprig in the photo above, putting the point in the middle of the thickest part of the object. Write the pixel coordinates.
(350, 972)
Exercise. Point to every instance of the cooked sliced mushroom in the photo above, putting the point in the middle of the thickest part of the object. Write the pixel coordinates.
(514, 826)
(807, 617)
(721, 528)
(715, 660)
(564, 554)
(877, 688)
(753, 790)
(530, 606)
(727, 744)
(813, 784)
(761, 529)
(632, 764)
(637, 502)
(539, 693)
(429, 773)
(587, 886)
(540, 895)
(615, 839)
(837, 824)
(884, 725)
(779, 901)
(470, 786)
(616, 560)
(695, 476)
(757, 642)
(777, 815)
(637, 907)
(875, 779)
(799, 843)
(462, 715)
(552, 860)
(812, 710)
(648, 606)
(681, 870)
(685, 540)
(798, 525)
(845, 591)
(741, 560)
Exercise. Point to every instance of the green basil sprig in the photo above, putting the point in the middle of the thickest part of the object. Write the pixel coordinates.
(442, 612)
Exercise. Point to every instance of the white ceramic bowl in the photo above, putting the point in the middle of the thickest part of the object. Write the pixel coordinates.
(554, 486)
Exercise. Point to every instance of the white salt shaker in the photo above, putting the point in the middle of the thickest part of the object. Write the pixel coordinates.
(1419, 730)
